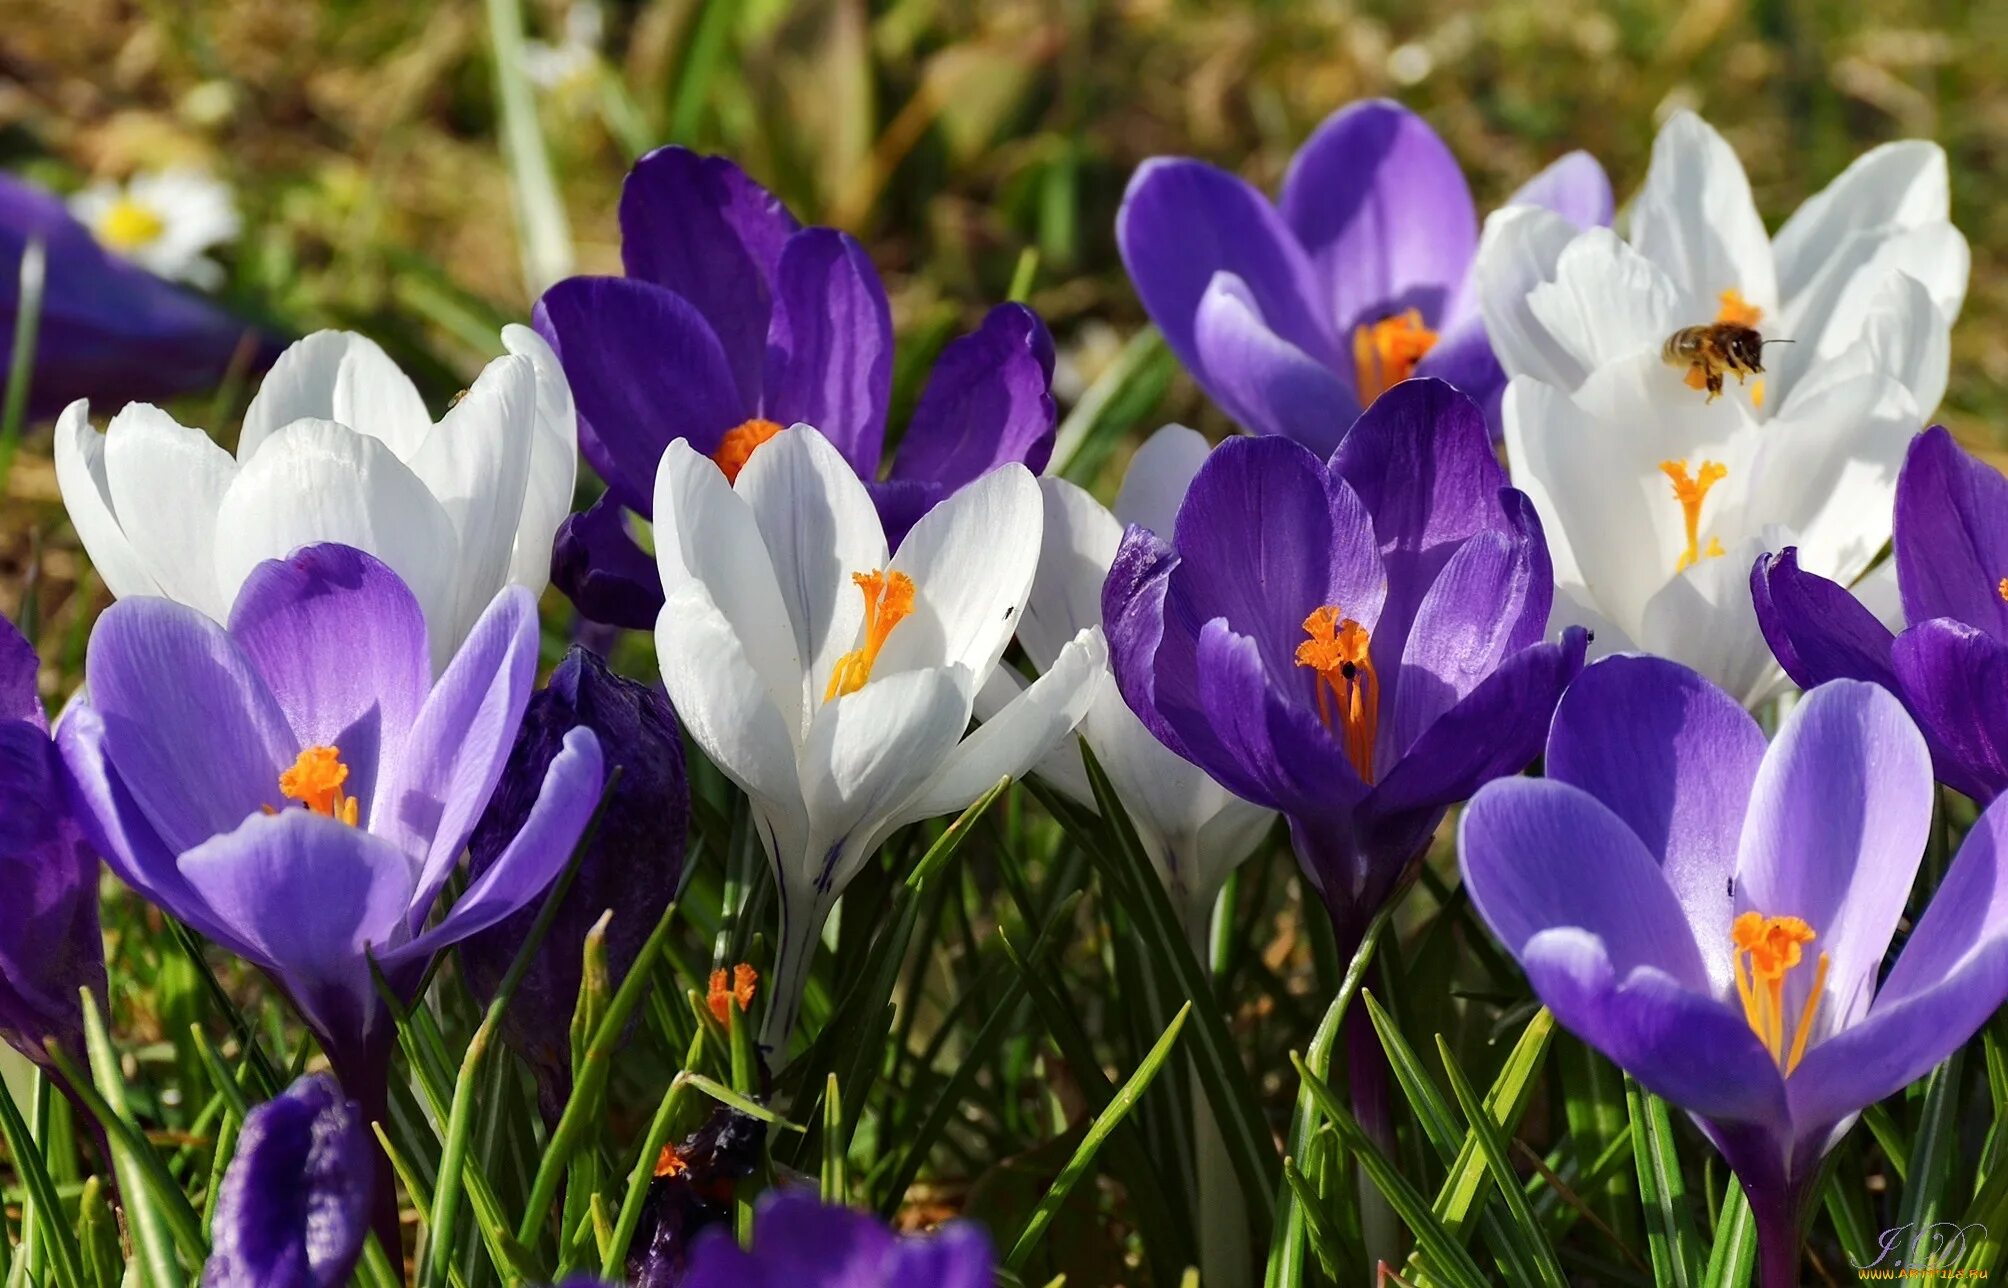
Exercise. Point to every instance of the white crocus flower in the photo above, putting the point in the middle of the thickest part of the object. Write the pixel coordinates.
(336, 447)
(1196, 831)
(165, 222)
(834, 685)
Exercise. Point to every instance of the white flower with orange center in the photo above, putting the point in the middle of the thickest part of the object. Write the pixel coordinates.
(166, 222)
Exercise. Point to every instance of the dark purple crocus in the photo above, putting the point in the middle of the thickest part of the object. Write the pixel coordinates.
(1357, 644)
(49, 942)
(1950, 663)
(294, 1207)
(632, 866)
(297, 788)
(799, 1242)
(109, 330)
(692, 1191)
(1296, 314)
(1712, 913)
(734, 322)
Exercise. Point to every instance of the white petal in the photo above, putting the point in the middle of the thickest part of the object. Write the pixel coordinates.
(340, 376)
(1877, 591)
(706, 533)
(1832, 315)
(1899, 185)
(477, 465)
(1902, 337)
(554, 461)
(1078, 545)
(1607, 302)
(1519, 251)
(819, 527)
(1704, 619)
(1827, 470)
(971, 558)
(80, 475)
(1155, 484)
(1695, 219)
(1062, 767)
(167, 482)
(315, 481)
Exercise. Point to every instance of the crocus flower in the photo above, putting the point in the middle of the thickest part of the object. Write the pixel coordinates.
(1712, 913)
(108, 328)
(692, 1190)
(799, 1242)
(337, 446)
(297, 788)
(294, 1207)
(1951, 573)
(734, 321)
(1356, 644)
(834, 684)
(165, 222)
(1295, 315)
(632, 866)
(49, 942)
(1195, 830)
(1867, 276)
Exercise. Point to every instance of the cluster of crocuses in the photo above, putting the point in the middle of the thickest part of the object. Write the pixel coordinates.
(318, 690)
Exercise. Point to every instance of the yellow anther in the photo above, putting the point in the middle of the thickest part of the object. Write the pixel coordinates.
(729, 988)
(315, 780)
(1339, 654)
(1691, 491)
(1386, 352)
(888, 602)
(2001, 589)
(1735, 309)
(128, 225)
(1767, 949)
(736, 448)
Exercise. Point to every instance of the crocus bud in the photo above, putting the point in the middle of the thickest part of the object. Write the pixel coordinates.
(631, 867)
(49, 941)
(295, 1203)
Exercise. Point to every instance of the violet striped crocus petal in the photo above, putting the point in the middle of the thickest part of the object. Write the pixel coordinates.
(901, 503)
(987, 402)
(1952, 677)
(829, 345)
(196, 734)
(799, 1242)
(1265, 382)
(1816, 629)
(1839, 813)
(1152, 658)
(598, 565)
(1278, 754)
(1462, 357)
(1951, 976)
(342, 644)
(1673, 757)
(294, 1205)
(698, 226)
(50, 945)
(20, 694)
(645, 367)
(1575, 187)
(1382, 208)
(1951, 535)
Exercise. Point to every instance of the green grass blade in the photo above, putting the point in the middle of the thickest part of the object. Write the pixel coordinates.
(46, 1210)
(21, 360)
(1735, 1252)
(540, 211)
(1533, 1247)
(1670, 1238)
(1934, 1147)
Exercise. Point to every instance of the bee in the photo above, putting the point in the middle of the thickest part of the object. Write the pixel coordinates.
(1712, 351)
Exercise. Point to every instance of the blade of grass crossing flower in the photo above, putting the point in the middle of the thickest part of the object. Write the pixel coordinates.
(1506, 1102)
(1325, 1241)
(835, 1183)
(98, 1236)
(43, 1212)
(1891, 1137)
(1091, 1144)
(1529, 1247)
(1734, 1253)
(1670, 1238)
(21, 360)
(265, 1077)
(659, 1129)
(1593, 1102)
(1934, 1146)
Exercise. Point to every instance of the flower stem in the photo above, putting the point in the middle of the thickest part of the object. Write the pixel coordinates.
(1777, 1218)
(1367, 1076)
(1224, 1250)
(800, 927)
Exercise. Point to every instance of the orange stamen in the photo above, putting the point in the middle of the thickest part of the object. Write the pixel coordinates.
(1735, 309)
(736, 448)
(1767, 949)
(725, 990)
(1386, 352)
(1338, 653)
(669, 1162)
(316, 779)
(888, 602)
(1691, 492)
(2001, 588)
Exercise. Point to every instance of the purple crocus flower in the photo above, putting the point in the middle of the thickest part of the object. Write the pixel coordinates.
(294, 1207)
(734, 322)
(799, 1242)
(1357, 644)
(298, 788)
(632, 866)
(49, 941)
(1950, 664)
(109, 330)
(1712, 913)
(1296, 314)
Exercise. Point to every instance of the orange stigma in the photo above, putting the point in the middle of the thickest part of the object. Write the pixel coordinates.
(1385, 352)
(1736, 310)
(1691, 492)
(2001, 588)
(316, 779)
(1348, 690)
(888, 602)
(1767, 949)
(736, 448)
(738, 987)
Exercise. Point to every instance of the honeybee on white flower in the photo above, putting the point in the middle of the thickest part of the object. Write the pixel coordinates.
(166, 222)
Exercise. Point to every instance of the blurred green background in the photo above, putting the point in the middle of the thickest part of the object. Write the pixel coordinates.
(386, 186)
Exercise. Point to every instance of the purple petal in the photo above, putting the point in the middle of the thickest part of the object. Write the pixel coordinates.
(1839, 813)
(1182, 222)
(1262, 380)
(1382, 208)
(20, 690)
(829, 346)
(1152, 658)
(1278, 754)
(645, 368)
(799, 1242)
(901, 503)
(1575, 187)
(987, 402)
(195, 733)
(50, 945)
(1818, 631)
(341, 642)
(294, 1206)
(699, 227)
(1673, 756)
(1952, 677)
(599, 567)
(1951, 535)
(1462, 358)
